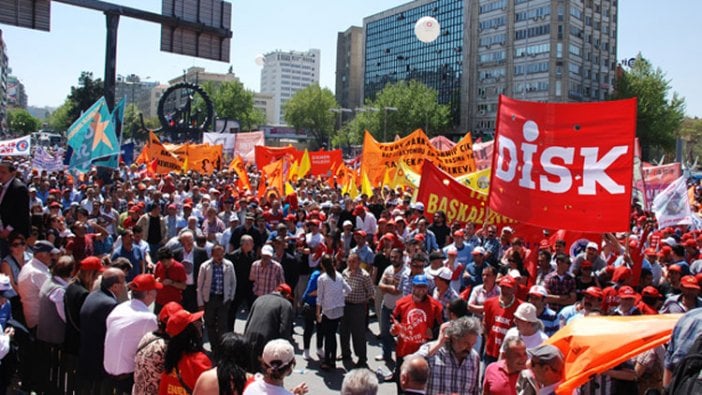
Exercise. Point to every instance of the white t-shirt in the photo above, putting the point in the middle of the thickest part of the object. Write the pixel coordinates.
(260, 387)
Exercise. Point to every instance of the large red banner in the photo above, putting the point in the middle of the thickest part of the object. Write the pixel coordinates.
(564, 165)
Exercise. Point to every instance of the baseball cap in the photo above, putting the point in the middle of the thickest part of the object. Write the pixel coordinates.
(443, 273)
(689, 282)
(651, 291)
(514, 273)
(168, 310)
(690, 243)
(669, 241)
(420, 280)
(459, 233)
(91, 263)
(400, 218)
(5, 286)
(452, 251)
(267, 250)
(547, 354)
(361, 233)
(595, 292)
(508, 281)
(419, 206)
(507, 229)
(621, 273)
(277, 353)
(285, 290)
(538, 290)
(347, 223)
(592, 244)
(478, 251)
(650, 251)
(180, 320)
(627, 292)
(526, 312)
(145, 282)
(44, 246)
(359, 210)
(675, 268)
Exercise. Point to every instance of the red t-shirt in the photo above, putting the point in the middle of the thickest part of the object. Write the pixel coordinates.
(191, 367)
(498, 380)
(169, 293)
(415, 319)
(497, 321)
(646, 309)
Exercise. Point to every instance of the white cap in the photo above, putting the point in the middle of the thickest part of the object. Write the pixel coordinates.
(670, 241)
(507, 229)
(479, 251)
(419, 206)
(5, 283)
(592, 244)
(526, 312)
(515, 274)
(267, 250)
(538, 290)
(444, 273)
(278, 352)
(347, 223)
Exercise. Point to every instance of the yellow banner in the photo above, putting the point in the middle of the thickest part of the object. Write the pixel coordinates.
(413, 150)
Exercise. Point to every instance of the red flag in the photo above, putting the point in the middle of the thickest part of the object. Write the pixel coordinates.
(562, 165)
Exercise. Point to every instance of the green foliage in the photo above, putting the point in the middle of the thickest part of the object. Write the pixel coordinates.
(59, 119)
(131, 122)
(659, 114)
(80, 99)
(20, 120)
(309, 109)
(417, 108)
(232, 101)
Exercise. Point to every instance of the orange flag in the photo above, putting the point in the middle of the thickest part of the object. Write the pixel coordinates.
(274, 174)
(239, 167)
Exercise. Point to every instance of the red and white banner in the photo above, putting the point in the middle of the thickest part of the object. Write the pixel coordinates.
(243, 144)
(657, 178)
(671, 206)
(15, 147)
(562, 165)
(322, 162)
(482, 152)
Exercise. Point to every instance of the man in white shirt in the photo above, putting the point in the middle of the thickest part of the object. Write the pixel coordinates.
(365, 221)
(126, 325)
(32, 277)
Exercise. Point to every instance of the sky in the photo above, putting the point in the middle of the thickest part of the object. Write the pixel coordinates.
(48, 64)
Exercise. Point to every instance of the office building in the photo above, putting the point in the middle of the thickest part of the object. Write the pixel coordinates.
(285, 73)
(135, 90)
(540, 50)
(15, 93)
(264, 102)
(349, 67)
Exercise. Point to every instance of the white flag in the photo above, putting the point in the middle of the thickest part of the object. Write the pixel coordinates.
(672, 206)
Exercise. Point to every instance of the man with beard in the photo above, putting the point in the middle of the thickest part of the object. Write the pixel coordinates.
(453, 364)
(415, 319)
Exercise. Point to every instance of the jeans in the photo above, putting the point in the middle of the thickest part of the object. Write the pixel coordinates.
(387, 340)
(328, 329)
(308, 312)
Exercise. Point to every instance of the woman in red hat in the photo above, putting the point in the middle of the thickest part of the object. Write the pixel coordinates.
(185, 359)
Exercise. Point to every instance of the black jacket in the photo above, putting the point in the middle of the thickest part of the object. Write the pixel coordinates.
(14, 208)
(93, 316)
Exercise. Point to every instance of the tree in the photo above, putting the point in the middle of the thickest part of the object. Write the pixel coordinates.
(659, 114)
(417, 108)
(59, 119)
(691, 133)
(84, 95)
(232, 101)
(309, 109)
(20, 120)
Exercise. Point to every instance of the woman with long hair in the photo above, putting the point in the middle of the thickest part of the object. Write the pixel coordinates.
(229, 377)
(10, 266)
(151, 352)
(331, 293)
(185, 359)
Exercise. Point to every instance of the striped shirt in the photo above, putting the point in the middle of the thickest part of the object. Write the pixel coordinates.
(447, 375)
(361, 286)
(266, 278)
(217, 279)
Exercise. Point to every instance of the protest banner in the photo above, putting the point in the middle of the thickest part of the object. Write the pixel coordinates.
(321, 162)
(42, 160)
(562, 165)
(204, 158)
(672, 206)
(232, 144)
(19, 146)
(657, 178)
(158, 159)
(482, 153)
(413, 149)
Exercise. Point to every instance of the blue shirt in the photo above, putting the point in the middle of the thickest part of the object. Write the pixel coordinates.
(684, 335)
(217, 279)
(134, 256)
(5, 313)
(311, 287)
(550, 320)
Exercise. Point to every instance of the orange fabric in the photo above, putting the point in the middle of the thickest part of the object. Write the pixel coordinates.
(592, 345)
(239, 167)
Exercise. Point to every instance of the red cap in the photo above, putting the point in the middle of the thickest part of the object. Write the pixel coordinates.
(508, 281)
(188, 205)
(290, 217)
(145, 282)
(286, 291)
(675, 268)
(172, 206)
(689, 282)
(55, 205)
(651, 291)
(54, 190)
(382, 221)
(91, 263)
(690, 243)
(361, 233)
(419, 237)
(168, 310)
(359, 210)
(621, 273)
(314, 222)
(595, 292)
(459, 233)
(180, 320)
(650, 251)
(388, 236)
(626, 292)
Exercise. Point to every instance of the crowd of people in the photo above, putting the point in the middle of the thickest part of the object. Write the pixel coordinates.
(116, 284)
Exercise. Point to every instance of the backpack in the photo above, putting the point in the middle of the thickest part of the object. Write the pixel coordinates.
(687, 376)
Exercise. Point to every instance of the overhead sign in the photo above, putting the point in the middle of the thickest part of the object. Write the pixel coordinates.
(32, 14)
(186, 40)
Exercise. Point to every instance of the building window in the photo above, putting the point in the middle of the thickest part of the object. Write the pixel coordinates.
(574, 50)
(558, 88)
(492, 23)
(532, 50)
(576, 13)
(493, 6)
(540, 12)
(532, 32)
(498, 56)
(559, 50)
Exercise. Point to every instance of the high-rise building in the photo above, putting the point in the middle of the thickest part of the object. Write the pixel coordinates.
(349, 67)
(540, 50)
(4, 72)
(264, 103)
(285, 73)
(15, 93)
(135, 90)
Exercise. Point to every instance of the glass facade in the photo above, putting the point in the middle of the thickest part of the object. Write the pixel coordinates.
(393, 53)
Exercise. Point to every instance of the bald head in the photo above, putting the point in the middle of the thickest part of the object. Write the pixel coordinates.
(111, 278)
(414, 373)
